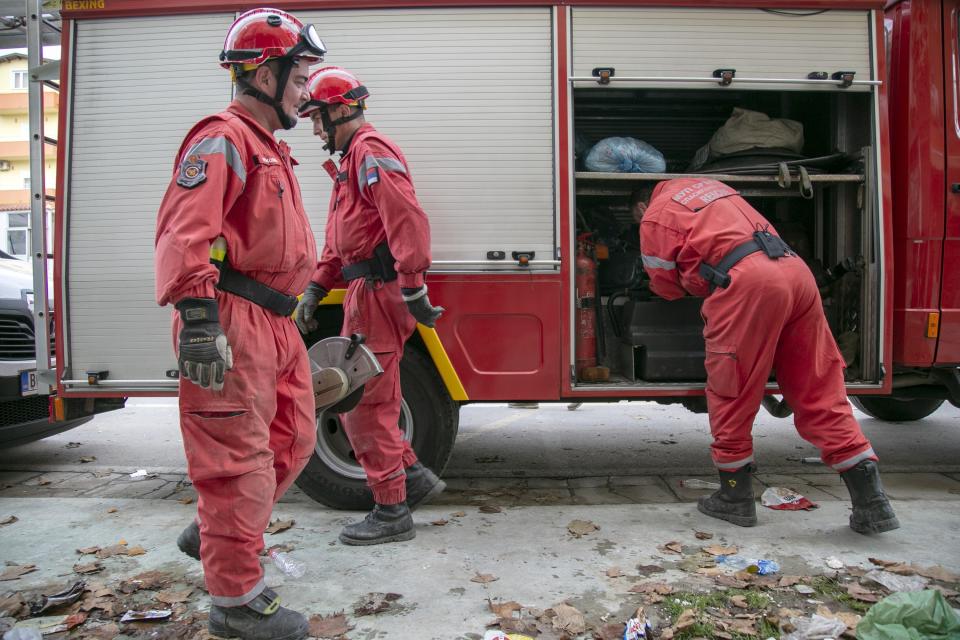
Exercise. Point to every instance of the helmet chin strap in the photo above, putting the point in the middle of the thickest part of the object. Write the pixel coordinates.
(286, 64)
(330, 126)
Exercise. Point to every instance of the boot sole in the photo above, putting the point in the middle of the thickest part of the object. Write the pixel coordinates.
(876, 527)
(221, 632)
(399, 537)
(433, 493)
(740, 521)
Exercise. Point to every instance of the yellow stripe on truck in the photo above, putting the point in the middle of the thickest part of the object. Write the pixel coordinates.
(434, 347)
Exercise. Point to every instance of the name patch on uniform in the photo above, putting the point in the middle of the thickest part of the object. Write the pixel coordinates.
(700, 194)
(193, 171)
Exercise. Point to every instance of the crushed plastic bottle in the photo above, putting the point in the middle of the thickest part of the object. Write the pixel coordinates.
(739, 563)
(637, 629)
(286, 564)
(694, 483)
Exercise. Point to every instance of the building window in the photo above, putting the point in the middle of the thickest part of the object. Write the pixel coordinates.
(19, 79)
(18, 232)
(26, 183)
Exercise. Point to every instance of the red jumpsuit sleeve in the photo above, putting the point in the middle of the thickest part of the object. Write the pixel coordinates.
(386, 182)
(208, 179)
(329, 265)
(661, 246)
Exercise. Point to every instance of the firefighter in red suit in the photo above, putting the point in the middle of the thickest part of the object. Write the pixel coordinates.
(762, 311)
(378, 240)
(246, 398)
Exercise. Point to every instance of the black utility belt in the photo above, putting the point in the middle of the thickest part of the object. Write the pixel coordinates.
(379, 267)
(232, 281)
(763, 241)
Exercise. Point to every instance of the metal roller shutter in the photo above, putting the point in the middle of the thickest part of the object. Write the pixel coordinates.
(467, 95)
(138, 86)
(691, 42)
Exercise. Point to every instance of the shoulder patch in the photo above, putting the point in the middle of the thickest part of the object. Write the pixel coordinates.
(193, 171)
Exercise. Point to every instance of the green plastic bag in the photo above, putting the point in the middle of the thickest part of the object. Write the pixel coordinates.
(916, 615)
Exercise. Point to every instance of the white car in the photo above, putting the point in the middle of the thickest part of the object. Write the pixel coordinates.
(24, 405)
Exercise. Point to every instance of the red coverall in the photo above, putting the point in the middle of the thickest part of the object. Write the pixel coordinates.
(770, 317)
(374, 200)
(246, 444)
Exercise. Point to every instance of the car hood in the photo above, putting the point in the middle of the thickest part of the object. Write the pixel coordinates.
(15, 276)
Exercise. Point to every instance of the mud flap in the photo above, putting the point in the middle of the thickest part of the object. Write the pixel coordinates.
(339, 368)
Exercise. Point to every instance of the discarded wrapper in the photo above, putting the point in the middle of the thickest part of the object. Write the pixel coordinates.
(67, 596)
(784, 499)
(496, 634)
(152, 614)
(637, 628)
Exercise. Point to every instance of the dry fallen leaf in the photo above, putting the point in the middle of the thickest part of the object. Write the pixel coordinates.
(276, 526)
(936, 572)
(186, 500)
(789, 581)
(710, 571)
(112, 510)
(652, 587)
(610, 631)
(136, 551)
(112, 550)
(647, 569)
(720, 550)
(743, 627)
(580, 528)
(860, 593)
(703, 535)
(88, 459)
(8, 520)
(732, 582)
(614, 572)
(332, 626)
(11, 605)
(484, 578)
(490, 508)
(883, 563)
(88, 550)
(90, 567)
(846, 617)
(739, 601)
(504, 609)
(568, 619)
(458, 514)
(439, 523)
(174, 597)
(15, 571)
(672, 547)
(685, 620)
(43, 482)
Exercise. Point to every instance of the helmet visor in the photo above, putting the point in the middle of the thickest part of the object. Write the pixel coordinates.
(310, 45)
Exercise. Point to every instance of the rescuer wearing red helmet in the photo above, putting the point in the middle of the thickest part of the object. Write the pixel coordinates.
(378, 239)
(762, 312)
(233, 249)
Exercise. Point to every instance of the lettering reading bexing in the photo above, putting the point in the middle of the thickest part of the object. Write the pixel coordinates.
(82, 5)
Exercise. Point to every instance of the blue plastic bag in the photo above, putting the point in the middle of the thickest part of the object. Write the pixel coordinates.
(625, 155)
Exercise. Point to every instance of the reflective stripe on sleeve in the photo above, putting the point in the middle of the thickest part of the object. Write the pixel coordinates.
(657, 263)
(372, 165)
(224, 147)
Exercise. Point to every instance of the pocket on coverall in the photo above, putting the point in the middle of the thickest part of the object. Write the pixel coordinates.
(723, 371)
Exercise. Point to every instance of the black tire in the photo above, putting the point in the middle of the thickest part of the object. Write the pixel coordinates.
(896, 409)
(333, 478)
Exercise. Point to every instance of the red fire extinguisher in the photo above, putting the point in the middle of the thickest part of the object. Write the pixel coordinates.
(585, 282)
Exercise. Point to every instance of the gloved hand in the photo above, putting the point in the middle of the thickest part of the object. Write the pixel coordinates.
(419, 305)
(307, 306)
(204, 356)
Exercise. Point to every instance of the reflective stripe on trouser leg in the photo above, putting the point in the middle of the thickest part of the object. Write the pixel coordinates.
(375, 436)
(239, 601)
(810, 372)
(734, 465)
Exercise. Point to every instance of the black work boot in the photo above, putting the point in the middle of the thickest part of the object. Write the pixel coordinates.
(733, 501)
(423, 485)
(260, 619)
(386, 523)
(189, 540)
(872, 512)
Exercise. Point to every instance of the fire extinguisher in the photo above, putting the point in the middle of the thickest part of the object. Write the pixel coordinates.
(585, 282)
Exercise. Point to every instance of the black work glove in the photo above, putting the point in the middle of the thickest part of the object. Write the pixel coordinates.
(307, 306)
(204, 356)
(419, 305)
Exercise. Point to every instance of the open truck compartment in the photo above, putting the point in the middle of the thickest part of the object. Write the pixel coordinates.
(822, 203)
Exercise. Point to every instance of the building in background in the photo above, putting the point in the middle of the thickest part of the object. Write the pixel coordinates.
(15, 154)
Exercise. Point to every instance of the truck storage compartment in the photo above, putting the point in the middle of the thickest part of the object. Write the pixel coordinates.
(823, 202)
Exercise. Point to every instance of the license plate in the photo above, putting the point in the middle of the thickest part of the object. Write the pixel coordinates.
(28, 383)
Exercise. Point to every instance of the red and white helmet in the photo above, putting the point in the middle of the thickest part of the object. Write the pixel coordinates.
(261, 34)
(333, 85)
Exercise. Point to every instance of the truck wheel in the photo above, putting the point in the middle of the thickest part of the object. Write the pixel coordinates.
(896, 409)
(428, 419)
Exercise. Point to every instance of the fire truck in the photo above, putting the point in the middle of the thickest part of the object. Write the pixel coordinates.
(535, 258)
